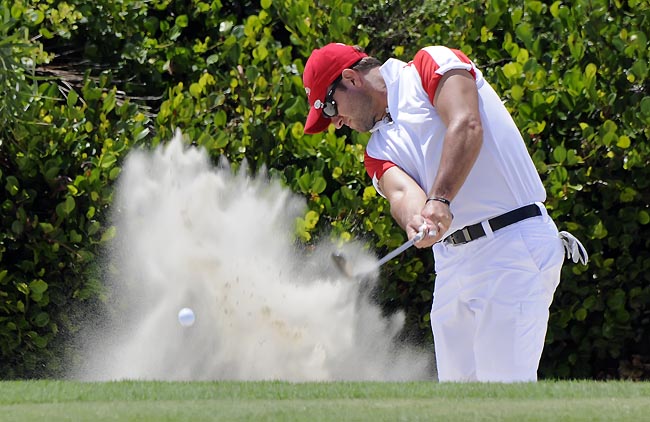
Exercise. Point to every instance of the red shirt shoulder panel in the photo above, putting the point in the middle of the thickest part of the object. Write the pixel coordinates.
(376, 167)
(427, 67)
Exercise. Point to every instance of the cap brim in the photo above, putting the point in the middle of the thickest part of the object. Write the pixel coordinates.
(316, 122)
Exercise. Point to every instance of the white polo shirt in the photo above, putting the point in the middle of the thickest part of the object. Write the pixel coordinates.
(503, 177)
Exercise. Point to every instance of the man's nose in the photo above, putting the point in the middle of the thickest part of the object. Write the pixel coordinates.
(338, 122)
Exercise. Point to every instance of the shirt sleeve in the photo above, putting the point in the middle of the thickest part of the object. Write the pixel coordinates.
(376, 169)
(432, 63)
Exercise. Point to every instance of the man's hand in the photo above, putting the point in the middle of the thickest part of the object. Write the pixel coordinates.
(435, 219)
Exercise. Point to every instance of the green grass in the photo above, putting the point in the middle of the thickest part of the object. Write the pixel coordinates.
(343, 401)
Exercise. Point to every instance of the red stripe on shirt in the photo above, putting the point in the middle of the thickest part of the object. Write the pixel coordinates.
(376, 167)
(427, 67)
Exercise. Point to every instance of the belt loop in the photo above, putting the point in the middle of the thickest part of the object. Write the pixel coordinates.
(487, 229)
(544, 211)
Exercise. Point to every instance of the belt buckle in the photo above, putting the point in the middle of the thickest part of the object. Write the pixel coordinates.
(466, 236)
(459, 237)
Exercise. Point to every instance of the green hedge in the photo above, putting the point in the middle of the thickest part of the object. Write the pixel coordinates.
(106, 76)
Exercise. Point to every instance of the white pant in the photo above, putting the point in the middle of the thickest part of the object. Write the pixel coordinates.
(491, 301)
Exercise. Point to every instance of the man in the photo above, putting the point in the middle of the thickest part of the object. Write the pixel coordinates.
(447, 155)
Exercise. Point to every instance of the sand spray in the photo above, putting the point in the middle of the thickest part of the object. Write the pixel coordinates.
(191, 234)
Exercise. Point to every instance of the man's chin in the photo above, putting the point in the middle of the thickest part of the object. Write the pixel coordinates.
(367, 127)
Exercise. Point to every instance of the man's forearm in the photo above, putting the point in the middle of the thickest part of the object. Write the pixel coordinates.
(463, 143)
(407, 204)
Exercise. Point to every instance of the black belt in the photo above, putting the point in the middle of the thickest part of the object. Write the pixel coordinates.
(475, 231)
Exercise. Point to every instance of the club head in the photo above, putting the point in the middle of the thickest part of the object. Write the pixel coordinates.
(342, 264)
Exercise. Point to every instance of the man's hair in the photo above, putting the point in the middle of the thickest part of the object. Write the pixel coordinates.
(362, 65)
(366, 63)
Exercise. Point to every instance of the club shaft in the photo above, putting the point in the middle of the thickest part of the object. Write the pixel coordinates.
(394, 253)
(399, 250)
(344, 266)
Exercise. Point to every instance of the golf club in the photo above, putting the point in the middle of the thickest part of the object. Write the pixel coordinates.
(344, 266)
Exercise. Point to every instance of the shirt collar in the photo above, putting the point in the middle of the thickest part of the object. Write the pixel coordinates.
(387, 120)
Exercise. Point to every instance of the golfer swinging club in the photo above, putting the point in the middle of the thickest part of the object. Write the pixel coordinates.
(447, 155)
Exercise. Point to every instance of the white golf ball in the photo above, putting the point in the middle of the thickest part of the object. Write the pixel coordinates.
(186, 317)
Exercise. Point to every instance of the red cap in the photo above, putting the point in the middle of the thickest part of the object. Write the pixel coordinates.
(322, 68)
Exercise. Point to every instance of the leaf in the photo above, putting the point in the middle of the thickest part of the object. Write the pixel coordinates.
(75, 237)
(590, 71)
(492, 19)
(295, 107)
(22, 288)
(616, 299)
(640, 69)
(12, 186)
(41, 319)
(141, 135)
(609, 138)
(17, 10)
(46, 227)
(517, 92)
(572, 158)
(93, 228)
(554, 9)
(260, 53)
(318, 185)
(589, 302)
(304, 182)
(645, 106)
(301, 230)
(512, 70)
(252, 72)
(108, 160)
(70, 204)
(535, 6)
(39, 341)
(225, 26)
(609, 126)
(628, 194)
(559, 154)
(38, 286)
(182, 21)
(623, 142)
(195, 90)
(109, 234)
(52, 172)
(114, 173)
(109, 101)
(35, 17)
(151, 24)
(17, 227)
(220, 118)
(212, 59)
(72, 99)
(524, 32)
(311, 219)
(369, 193)
(599, 231)
(297, 130)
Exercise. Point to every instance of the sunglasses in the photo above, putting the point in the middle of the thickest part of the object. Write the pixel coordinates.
(329, 108)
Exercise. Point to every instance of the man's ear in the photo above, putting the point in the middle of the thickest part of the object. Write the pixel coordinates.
(353, 76)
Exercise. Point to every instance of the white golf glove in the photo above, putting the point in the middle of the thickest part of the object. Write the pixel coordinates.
(574, 249)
